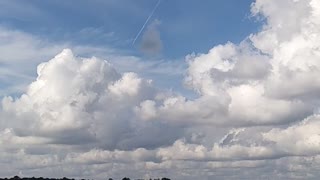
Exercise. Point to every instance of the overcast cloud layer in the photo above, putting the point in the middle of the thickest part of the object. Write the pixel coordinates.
(256, 114)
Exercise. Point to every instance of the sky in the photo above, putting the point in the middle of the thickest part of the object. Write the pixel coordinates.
(208, 90)
(107, 28)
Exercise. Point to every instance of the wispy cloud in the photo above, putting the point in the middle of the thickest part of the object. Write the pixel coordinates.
(151, 42)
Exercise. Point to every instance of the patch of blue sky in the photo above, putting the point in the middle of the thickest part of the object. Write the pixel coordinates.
(186, 26)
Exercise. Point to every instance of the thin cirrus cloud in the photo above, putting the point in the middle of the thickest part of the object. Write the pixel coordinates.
(255, 115)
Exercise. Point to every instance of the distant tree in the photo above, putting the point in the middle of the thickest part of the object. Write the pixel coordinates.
(110, 179)
(125, 178)
(16, 177)
(165, 178)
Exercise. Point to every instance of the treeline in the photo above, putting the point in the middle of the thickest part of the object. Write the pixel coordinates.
(64, 178)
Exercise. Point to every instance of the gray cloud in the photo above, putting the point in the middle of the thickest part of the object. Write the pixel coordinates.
(151, 42)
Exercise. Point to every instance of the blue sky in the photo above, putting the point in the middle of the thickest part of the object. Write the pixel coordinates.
(186, 26)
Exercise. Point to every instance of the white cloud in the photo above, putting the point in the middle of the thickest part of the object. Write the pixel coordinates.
(250, 83)
(300, 139)
(78, 100)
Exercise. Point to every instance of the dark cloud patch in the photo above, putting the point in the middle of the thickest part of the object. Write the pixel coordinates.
(151, 42)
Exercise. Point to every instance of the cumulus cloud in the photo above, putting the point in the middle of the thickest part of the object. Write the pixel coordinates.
(256, 114)
(79, 101)
(252, 84)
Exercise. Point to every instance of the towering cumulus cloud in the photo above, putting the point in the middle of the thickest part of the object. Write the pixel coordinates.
(79, 101)
(256, 115)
